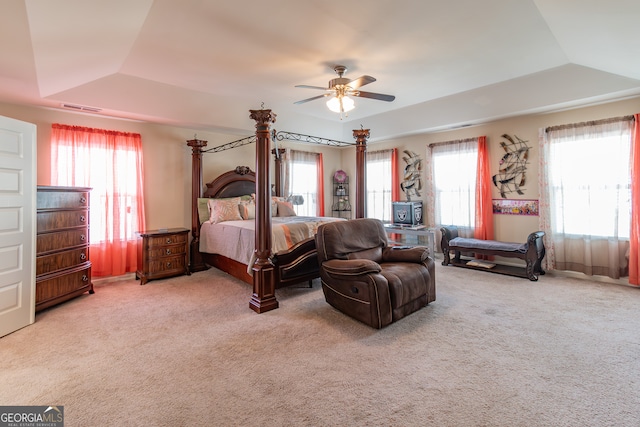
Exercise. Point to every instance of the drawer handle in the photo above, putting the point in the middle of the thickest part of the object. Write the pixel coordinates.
(168, 251)
(83, 200)
(168, 265)
(85, 278)
(83, 238)
(168, 239)
(83, 256)
(82, 218)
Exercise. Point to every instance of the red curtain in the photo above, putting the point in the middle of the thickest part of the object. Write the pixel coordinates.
(634, 252)
(484, 209)
(110, 162)
(395, 179)
(320, 166)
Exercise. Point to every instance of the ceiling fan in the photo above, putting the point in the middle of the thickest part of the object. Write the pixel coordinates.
(341, 88)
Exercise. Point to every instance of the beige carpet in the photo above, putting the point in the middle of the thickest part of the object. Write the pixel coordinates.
(490, 351)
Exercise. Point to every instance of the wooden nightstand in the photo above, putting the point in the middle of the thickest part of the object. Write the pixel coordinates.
(162, 253)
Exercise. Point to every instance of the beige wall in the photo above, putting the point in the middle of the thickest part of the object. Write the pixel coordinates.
(167, 158)
(507, 227)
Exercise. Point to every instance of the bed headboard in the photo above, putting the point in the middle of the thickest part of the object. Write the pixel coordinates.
(238, 182)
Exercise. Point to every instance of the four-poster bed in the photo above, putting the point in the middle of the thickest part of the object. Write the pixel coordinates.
(266, 270)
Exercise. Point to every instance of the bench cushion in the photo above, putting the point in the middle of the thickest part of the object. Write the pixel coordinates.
(466, 243)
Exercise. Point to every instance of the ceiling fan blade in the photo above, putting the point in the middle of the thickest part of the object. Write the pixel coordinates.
(360, 81)
(378, 96)
(311, 87)
(310, 99)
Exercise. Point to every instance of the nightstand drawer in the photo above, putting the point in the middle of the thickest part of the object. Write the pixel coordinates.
(166, 265)
(168, 239)
(166, 251)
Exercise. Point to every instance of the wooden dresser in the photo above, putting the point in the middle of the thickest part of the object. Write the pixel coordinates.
(63, 266)
(162, 253)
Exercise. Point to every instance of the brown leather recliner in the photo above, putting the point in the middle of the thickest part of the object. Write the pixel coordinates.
(365, 278)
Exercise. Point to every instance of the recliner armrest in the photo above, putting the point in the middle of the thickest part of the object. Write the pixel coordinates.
(351, 267)
(415, 254)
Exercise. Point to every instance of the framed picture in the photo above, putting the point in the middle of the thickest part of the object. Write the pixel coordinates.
(515, 207)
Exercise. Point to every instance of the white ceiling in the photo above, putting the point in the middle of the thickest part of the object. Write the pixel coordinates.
(202, 64)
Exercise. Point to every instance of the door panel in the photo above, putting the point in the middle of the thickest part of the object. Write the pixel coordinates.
(17, 224)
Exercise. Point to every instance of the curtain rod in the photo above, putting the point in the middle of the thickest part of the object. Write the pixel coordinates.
(380, 151)
(590, 123)
(454, 141)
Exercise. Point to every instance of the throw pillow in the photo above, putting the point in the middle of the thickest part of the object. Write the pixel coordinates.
(224, 210)
(285, 209)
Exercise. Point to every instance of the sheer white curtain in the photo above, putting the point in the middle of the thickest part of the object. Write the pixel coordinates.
(451, 184)
(585, 196)
(379, 180)
(301, 179)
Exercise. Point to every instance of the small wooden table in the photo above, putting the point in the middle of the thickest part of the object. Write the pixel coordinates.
(162, 253)
(414, 231)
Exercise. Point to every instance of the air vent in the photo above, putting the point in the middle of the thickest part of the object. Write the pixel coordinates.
(82, 108)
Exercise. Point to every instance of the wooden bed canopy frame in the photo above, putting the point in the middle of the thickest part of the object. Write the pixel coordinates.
(270, 271)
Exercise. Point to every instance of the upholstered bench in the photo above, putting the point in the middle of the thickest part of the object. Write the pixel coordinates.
(532, 252)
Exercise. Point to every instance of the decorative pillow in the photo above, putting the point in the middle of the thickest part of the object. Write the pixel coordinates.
(247, 210)
(275, 205)
(203, 210)
(285, 209)
(224, 210)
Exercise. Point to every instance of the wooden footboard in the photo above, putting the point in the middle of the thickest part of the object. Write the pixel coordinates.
(532, 252)
(297, 265)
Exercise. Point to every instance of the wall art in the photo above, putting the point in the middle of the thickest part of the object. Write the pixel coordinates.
(516, 207)
(412, 182)
(513, 165)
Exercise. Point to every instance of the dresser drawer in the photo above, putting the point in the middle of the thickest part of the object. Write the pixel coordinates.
(160, 252)
(168, 239)
(55, 241)
(167, 265)
(61, 260)
(48, 221)
(62, 199)
(56, 287)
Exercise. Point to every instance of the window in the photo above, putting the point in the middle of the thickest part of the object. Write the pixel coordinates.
(585, 196)
(109, 162)
(454, 170)
(379, 179)
(589, 184)
(303, 178)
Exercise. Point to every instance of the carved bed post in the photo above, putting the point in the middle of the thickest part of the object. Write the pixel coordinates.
(279, 172)
(264, 274)
(195, 262)
(361, 136)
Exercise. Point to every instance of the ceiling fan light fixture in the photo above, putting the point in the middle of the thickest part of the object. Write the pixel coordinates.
(341, 104)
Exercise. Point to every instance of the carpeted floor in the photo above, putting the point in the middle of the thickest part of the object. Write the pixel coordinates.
(490, 351)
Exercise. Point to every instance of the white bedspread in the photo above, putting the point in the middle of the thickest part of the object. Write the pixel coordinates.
(236, 239)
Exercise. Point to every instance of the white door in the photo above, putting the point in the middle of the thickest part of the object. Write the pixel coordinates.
(17, 224)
